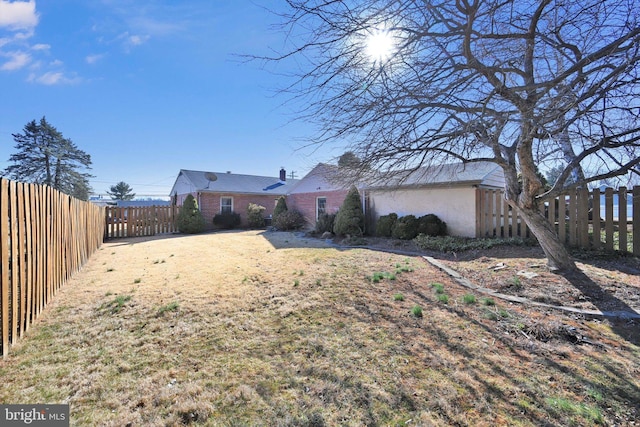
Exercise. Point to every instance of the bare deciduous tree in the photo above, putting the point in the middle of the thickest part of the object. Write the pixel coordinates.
(524, 84)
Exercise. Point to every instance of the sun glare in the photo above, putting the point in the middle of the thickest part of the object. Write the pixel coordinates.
(379, 46)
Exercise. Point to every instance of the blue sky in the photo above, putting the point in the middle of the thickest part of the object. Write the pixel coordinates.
(149, 87)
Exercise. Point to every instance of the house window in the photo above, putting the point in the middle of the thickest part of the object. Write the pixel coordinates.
(226, 204)
(321, 206)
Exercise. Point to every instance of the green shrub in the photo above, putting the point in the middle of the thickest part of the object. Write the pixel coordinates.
(255, 215)
(350, 218)
(288, 220)
(416, 311)
(227, 220)
(325, 223)
(385, 224)
(405, 228)
(431, 225)
(281, 206)
(190, 219)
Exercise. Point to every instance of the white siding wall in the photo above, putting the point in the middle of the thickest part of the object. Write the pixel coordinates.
(494, 179)
(454, 205)
(182, 186)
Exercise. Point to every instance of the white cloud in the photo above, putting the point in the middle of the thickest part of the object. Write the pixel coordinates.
(132, 40)
(18, 19)
(138, 40)
(51, 78)
(17, 60)
(92, 59)
(41, 46)
(154, 27)
(18, 15)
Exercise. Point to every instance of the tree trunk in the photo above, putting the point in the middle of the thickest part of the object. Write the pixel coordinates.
(558, 258)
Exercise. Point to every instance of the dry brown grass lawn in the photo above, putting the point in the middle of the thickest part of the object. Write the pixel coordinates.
(273, 329)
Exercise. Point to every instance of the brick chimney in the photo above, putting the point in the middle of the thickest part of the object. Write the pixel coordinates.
(283, 174)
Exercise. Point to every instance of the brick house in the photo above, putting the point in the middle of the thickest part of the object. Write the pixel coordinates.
(448, 191)
(219, 192)
(316, 193)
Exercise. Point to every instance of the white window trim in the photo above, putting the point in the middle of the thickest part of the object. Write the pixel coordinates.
(226, 197)
(325, 205)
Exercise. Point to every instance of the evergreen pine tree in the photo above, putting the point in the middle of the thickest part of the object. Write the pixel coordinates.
(190, 218)
(121, 191)
(281, 207)
(350, 218)
(46, 157)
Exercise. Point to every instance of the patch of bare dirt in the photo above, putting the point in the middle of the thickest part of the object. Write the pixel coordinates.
(604, 282)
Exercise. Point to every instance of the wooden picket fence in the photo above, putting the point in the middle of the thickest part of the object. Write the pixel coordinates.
(582, 218)
(45, 237)
(140, 221)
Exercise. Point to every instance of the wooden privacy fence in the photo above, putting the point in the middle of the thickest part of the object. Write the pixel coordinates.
(595, 219)
(140, 221)
(45, 237)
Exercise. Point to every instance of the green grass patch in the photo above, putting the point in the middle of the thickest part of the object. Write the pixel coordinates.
(379, 276)
(117, 304)
(172, 306)
(469, 299)
(488, 301)
(575, 409)
(416, 311)
(438, 288)
(490, 314)
(398, 297)
(515, 282)
(443, 298)
(406, 268)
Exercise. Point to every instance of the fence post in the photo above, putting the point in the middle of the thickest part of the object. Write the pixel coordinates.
(583, 217)
(595, 219)
(622, 219)
(4, 268)
(608, 218)
(636, 220)
(13, 248)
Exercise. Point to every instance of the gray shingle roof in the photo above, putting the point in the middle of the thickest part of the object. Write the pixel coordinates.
(450, 173)
(222, 182)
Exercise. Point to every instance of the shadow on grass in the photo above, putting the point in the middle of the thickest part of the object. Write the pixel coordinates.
(507, 375)
(625, 320)
(295, 239)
